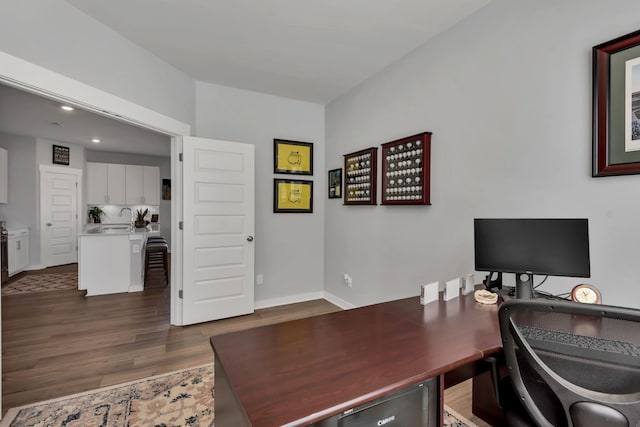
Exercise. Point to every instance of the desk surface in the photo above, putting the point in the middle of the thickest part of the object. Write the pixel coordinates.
(302, 371)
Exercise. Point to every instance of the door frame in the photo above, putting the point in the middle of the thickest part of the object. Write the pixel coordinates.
(38, 80)
(44, 169)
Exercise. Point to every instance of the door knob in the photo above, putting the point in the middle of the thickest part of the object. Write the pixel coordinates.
(250, 239)
(49, 224)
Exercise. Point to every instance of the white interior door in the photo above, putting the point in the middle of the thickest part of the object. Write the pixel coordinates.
(59, 189)
(218, 226)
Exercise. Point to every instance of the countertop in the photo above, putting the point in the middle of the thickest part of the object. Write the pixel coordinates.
(118, 229)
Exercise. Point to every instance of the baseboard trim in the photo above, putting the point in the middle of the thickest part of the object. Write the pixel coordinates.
(290, 299)
(338, 301)
(310, 296)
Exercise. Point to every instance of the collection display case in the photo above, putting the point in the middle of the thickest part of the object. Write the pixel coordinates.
(406, 170)
(360, 177)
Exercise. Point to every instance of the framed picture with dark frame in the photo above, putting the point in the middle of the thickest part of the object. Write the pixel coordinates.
(335, 183)
(292, 196)
(292, 157)
(60, 155)
(406, 171)
(360, 177)
(616, 106)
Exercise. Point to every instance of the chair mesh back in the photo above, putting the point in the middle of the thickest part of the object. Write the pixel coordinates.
(561, 353)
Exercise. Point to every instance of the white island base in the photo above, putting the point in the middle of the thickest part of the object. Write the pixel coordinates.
(111, 262)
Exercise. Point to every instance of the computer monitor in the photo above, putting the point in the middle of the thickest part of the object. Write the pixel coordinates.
(544, 246)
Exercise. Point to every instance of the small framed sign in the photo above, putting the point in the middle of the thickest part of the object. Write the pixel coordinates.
(60, 155)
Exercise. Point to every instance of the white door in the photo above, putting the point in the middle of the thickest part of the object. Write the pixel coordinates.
(59, 189)
(218, 226)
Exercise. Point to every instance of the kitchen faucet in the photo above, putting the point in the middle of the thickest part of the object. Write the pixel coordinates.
(130, 215)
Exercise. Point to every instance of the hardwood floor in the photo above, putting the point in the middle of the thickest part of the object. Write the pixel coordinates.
(458, 397)
(61, 342)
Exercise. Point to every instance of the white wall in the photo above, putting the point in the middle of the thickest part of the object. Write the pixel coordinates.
(61, 38)
(288, 247)
(507, 95)
(23, 208)
(44, 154)
(23, 203)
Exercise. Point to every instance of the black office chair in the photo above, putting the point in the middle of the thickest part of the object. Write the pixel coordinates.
(570, 364)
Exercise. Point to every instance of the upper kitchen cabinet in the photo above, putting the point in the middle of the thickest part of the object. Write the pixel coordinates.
(105, 184)
(4, 175)
(143, 185)
(151, 184)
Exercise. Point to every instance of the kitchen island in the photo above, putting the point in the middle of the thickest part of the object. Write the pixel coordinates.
(111, 258)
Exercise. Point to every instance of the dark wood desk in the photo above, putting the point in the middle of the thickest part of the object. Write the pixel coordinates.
(299, 372)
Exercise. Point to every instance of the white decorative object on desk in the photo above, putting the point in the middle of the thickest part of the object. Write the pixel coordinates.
(429, 293)
(469, 284)
(452, 289)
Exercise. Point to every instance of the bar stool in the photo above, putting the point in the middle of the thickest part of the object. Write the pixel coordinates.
(156, 239)
(156, 257)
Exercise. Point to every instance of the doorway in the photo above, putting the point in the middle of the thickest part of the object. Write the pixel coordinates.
(31, 78)
(59, 220)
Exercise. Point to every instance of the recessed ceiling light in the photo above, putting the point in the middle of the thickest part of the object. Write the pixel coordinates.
(67, 108)
(96, 140)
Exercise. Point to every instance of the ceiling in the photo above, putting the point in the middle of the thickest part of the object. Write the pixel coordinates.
(22, 113)
(312, 50)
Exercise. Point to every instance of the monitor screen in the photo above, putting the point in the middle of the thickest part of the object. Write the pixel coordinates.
(554, 247)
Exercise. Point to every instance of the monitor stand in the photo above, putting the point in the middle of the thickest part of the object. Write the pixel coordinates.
(506, 293)
(524, 286)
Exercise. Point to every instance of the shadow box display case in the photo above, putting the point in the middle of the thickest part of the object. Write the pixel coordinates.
(406, 170)
(360, 177)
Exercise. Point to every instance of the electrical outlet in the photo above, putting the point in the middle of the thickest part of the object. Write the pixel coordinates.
(259, 279)
(348, 280)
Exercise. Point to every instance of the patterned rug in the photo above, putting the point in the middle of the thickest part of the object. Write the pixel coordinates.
(182, 398)
(42, 283)
(179, 399)
(454, 419)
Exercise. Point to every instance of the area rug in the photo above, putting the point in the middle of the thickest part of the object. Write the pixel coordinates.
(179, 399)
(454, 419)
(33, 283)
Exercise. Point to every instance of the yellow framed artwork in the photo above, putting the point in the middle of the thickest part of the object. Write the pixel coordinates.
(292, 157)
(294, 196)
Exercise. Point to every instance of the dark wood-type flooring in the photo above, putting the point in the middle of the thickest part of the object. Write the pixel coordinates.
(61, 342)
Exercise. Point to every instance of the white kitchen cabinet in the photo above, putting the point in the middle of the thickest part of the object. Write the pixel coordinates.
(151, 185)
(134, 186)
(4, 175)
(105, 184)
(143, 185)
(111, 260)
(18, 247)
(104, 263)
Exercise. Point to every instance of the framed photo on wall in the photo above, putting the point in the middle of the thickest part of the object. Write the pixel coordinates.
(60, 155)
(294, 196)
(292, 157)
(616, 106)
(335, 183)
